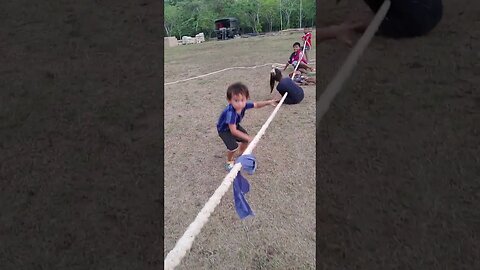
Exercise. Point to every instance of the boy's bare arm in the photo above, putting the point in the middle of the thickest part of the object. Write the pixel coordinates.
(237, 133)
(260, 104)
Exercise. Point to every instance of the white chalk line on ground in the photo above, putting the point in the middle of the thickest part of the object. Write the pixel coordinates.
(183, 245)
(226, 69)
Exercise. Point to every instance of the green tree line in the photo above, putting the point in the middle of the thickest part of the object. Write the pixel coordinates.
(190, 17)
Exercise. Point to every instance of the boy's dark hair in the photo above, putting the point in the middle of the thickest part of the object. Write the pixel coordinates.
(237, 88)
(275, 75)
(297, 43)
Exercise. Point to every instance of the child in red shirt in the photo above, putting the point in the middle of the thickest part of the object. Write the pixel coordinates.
(307, 38)
(296, 57)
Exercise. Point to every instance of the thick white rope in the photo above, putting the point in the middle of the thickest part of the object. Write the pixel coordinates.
(183, 245)
(335, 86)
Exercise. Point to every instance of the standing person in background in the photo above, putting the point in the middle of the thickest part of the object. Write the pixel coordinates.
(307, 40)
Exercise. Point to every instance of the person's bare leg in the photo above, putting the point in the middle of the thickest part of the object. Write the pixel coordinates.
(327, 33)
(311, 80)
(345, 31)
(302, 70)
(243, 147)
(230, 155)
(345, 34)
(304, 66)
(299, 71)
(277, 97)
(362, 22)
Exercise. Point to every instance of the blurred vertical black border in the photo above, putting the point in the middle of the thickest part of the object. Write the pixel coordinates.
(81, 134)
(318, 90)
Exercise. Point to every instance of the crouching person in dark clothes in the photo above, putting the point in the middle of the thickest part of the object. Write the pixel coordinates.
(286, 85)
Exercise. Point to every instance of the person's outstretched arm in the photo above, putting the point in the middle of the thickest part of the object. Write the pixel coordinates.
(260, 104)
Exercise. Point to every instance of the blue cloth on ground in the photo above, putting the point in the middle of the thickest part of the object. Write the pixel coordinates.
(242, 187)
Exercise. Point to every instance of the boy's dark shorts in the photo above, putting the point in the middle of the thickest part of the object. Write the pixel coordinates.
(231, 141)
(408, 18)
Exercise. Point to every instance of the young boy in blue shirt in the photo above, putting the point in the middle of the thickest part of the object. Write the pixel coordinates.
(228, 125)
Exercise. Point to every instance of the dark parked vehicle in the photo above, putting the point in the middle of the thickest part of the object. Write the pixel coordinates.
(227, 28)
